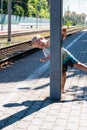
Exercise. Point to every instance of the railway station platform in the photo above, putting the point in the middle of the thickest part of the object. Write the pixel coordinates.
(25, 102)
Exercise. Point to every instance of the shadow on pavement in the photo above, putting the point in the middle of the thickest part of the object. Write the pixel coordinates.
(32, 106)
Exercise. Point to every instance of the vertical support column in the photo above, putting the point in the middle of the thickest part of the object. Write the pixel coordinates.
(9, 20)
(55, 62)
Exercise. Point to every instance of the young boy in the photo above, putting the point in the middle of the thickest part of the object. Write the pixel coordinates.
(67, 58)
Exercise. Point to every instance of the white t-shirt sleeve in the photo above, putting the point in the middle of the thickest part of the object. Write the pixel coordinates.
(46, 52)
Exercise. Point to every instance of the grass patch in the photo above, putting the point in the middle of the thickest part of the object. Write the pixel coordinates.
(18, 39)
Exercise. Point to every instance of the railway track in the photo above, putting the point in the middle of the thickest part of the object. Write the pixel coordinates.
(10, 54)
(14, 52)
(23, 32)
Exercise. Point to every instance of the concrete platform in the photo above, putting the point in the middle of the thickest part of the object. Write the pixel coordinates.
(25, 103)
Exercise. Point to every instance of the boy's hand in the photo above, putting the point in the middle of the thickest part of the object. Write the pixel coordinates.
(42, 60)
(45, 58)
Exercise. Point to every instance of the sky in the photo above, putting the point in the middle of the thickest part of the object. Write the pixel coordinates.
(79, 6)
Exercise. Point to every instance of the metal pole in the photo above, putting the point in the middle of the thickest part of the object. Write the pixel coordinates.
(1, 15)
(37, 22)
(37, 17)
(68, 17)
(9, 20)
(55, 62)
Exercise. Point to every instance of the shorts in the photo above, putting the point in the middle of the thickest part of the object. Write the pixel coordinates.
(70, 62)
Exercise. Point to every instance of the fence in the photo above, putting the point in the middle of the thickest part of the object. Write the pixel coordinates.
(24, 20)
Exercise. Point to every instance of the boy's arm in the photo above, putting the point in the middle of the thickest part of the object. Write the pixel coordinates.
(45, 58)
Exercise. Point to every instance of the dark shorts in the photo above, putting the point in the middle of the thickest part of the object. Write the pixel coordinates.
(71, 61)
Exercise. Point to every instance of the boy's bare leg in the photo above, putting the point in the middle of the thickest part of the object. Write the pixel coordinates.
(81, 66)
(63, 81)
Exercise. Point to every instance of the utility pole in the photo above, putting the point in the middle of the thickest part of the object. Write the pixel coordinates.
(9, 20)
(1, 15)
(68, 16)
(55, 62)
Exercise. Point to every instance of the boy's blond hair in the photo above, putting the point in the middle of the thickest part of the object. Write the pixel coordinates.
(35, 39)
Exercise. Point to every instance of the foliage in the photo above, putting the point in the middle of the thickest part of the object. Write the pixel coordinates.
(71, 18)
(40, 8)
(18, 10)
(30, 8)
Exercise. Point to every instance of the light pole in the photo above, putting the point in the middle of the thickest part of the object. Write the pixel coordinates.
(1, 15)
(9, 20)
(68, 17)
(37, 16)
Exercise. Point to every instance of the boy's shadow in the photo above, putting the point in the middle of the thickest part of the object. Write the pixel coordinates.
(31, 107)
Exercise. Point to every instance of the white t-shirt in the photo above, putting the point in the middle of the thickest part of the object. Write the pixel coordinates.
(46, 51)
(66, 55)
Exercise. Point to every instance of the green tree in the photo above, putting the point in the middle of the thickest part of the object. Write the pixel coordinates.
(83, 17)
(5, 6)
(38, 8)
(30, 8)
(18, 10)
(71, 18)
